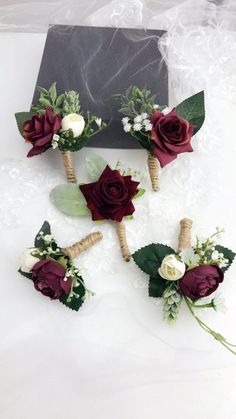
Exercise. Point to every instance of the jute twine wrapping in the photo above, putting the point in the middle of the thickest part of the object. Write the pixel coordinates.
(153, 167)
(185, 234)
(68, 164)
(120, 228)
(84, 244)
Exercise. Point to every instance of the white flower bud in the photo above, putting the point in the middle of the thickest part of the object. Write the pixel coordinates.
(171, 268)
(74, 122)
(27, 261)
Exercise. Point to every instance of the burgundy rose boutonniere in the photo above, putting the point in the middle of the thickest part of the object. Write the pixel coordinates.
(164, 133)
(109, 197)
(52, 270)
(192, 274)
(57, 122)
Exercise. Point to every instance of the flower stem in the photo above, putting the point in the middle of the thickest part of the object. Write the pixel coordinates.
(204, 326)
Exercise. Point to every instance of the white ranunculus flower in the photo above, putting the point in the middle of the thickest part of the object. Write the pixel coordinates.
(27, 261)
(74, 122)
(171, 268)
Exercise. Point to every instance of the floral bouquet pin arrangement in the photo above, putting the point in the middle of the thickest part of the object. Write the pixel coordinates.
(57, 122)
(108, 197)
(52, 270)
(164, 133)
(192, 274)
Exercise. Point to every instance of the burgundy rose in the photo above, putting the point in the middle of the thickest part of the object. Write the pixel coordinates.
(39, 131)
(171, 135)
(201, 281)
(49, 278)
(111, 196)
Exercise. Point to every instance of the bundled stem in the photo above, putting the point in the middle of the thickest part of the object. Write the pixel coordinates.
(84, 244)
(153, 167)
(68, 165)
(120, 228)
(185, 234)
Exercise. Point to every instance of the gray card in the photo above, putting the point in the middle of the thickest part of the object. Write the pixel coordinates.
(100, 62)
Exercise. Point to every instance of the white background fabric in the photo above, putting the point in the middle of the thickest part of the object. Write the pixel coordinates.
(116, 358)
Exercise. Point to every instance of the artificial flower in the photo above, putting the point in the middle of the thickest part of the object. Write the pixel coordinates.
(74, 122)
(201, 281)
(40, 129)
(27, 260)
(50, 279)
(171, 135)
(111, 196)
(171, 268)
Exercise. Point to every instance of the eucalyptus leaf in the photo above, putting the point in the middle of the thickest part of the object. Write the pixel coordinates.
(95, 165)
(69, 200)
(140, 192)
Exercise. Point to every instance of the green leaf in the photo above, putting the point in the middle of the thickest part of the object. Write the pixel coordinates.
(45, 229)
(95, 165)
(26, 274)
(149, 258)
(157, 286)
(60, 99)
(193, 109)
(42, 91)
(140, 192)
(69, 200)
(21, 117)
(76, 302)
(45, 102)
(129, 217)
(53, 92)
(228, 254)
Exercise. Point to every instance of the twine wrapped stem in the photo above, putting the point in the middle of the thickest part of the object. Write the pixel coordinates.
(153, 166)
(185, 234)
(120, 229)
(84, 244)
(68, 165)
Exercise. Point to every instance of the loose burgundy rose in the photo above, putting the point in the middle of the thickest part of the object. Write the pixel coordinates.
(171, 135)
(201, 281)
(111, 196)
(39, 131)
(49, 278)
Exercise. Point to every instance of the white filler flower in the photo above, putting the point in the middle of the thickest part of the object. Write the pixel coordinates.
(125, 120)
(74, 122)
(27, 261)
(171, 268)
(127, 127)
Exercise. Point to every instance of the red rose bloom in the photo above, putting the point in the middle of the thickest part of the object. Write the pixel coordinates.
(49, 278)
(39, 131)
(201, 281)
(111, 196)
(171, 135)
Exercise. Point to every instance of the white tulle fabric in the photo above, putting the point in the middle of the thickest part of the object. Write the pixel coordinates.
(116, 358)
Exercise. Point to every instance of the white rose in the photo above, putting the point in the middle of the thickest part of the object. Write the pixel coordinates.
(171, 268)
(74, 122)
(27, 261)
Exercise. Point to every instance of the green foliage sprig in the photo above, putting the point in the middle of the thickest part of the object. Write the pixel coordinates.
(136, 101)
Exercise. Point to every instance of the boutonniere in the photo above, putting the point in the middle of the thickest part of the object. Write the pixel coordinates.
(191, 275)
(109, 196)
(58, 122)
(52, 270)
(163, 132)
